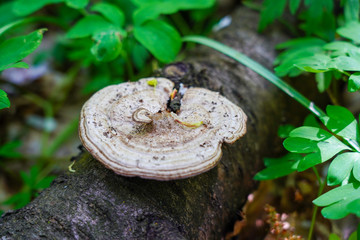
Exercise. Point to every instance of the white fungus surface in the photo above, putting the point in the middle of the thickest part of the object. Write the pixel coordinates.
(129, 130)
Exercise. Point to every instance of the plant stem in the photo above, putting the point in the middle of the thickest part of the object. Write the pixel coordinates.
(258, 68)
(128, 63)
(332, 97)
(321, 188)
(68, 131)
(48, 112)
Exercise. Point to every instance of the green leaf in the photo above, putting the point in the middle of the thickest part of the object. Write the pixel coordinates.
(110, 12)
(311, 121)
(354, 207)
(297, 43)
(333, 236)
(15, 49)
(354, 82)
(356, 169)
(150, 10)
(341, 167)
(160, 38)
(319, 19)
(311, 133)
(18, 65)
(315, 64)
(294, 5)
(90, 25)
(284, 130)
(337, 201)
(344, 63)
(341, 47)
(351, 10)
(4, 100)
(321, 144)
(353, 236)
(300, 145)
(139, 55)
(24, 7)
(107, 46)
(278, 167)
(32, 179)
(19, 200)
(336, 194)
(299, 52)
(7, 14)
(77, 4)
(271, 10)
(342, 122)
(309, 161)
(9, 149)
(45, 182)
(351, 30)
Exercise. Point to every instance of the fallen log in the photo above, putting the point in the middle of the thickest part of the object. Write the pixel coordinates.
(95, 203)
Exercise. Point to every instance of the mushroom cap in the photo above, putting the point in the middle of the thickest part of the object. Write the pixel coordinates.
(157, 145)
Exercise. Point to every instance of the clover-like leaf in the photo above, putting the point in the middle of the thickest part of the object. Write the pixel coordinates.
(160, 38)
(338, 202)
(316, 64)
(341, 167)
(90, 25)
(107, 45)
(110, 12)
(341, 48)
(321, 145)
(279, 167)
(299, 53)
(354, 207)
(351, 10)
(284, 130)
(342, 122)
(311, 121)
(354, 82)
(344, 63)
(351, 30)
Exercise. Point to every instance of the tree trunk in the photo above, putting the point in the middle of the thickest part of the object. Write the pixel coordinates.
(95, 203)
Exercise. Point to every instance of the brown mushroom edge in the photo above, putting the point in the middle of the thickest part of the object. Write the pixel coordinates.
(129, 128)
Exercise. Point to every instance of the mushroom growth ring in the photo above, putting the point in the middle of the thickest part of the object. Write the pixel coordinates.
(129, 128)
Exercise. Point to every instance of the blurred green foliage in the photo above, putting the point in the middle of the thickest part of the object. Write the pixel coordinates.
(114, 40)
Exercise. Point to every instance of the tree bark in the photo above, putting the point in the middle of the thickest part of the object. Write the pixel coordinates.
(95, 203)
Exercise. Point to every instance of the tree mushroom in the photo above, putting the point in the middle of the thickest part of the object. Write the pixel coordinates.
(128, 128)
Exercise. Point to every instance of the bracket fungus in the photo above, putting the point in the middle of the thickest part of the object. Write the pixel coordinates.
(129, 128)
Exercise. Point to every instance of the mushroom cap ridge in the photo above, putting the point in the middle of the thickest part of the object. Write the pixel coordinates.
(163, 149)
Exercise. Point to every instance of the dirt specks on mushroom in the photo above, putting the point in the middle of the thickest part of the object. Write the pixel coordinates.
(136, 134)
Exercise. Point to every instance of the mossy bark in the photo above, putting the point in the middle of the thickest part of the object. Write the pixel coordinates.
(95, 203)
